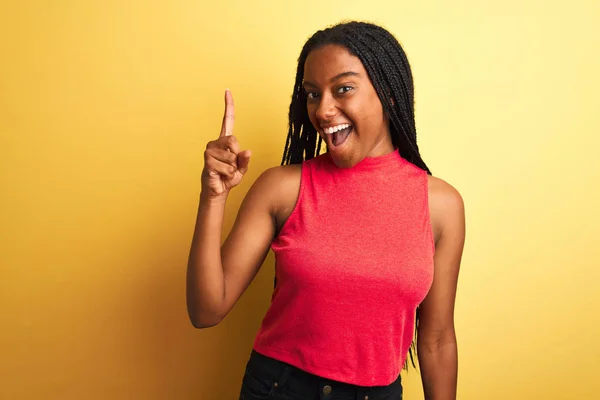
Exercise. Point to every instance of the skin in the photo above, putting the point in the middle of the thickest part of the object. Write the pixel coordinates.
(339, 92)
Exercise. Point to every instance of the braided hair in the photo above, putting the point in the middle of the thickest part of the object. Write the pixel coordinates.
(391, 76)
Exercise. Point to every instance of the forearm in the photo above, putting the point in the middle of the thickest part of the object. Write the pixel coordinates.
(438, 361)
(205, 279)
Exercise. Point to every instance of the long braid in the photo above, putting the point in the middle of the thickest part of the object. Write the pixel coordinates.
(393, 79)
(389, 70)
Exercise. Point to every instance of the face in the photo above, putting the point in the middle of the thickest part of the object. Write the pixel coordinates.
(343, 106)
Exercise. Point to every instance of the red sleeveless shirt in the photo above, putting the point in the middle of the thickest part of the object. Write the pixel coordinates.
(353, 261)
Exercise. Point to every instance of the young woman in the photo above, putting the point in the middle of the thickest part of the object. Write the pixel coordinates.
(362, 234)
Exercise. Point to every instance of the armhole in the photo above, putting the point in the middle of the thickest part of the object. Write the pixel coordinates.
(428, 223)
(297, 205)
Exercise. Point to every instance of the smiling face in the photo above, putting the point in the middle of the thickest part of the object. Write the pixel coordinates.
(343, 106)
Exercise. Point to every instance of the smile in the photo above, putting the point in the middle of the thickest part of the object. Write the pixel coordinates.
(338, 134)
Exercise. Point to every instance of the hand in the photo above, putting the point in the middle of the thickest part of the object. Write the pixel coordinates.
(224, 163)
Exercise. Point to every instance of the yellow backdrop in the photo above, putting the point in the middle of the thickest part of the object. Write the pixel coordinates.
(105, 109)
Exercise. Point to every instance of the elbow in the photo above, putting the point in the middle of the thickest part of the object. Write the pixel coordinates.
(202, 323)
(436, 341)
(202, 320)
(201, 313)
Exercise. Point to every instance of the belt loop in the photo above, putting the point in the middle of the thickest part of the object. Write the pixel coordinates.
(285, 375)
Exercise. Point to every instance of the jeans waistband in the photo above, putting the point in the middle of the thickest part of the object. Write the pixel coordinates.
(311, 386)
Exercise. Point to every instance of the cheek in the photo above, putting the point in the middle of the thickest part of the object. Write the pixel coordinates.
(362, 116)
(373, 115)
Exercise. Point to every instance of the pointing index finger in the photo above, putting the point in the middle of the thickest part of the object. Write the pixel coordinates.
(228, 117)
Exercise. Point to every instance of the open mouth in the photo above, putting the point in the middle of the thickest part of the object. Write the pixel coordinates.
(338, 134)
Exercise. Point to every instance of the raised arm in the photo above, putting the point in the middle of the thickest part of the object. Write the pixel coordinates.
(218, 275)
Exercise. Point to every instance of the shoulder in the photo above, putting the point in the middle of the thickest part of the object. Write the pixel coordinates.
(443, 194)
(278, 187)
(286, 178)
(446, 206)
(281, 176)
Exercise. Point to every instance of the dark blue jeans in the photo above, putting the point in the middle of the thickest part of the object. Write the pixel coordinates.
(269, 379)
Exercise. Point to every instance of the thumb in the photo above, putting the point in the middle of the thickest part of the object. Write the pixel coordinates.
(243, 159)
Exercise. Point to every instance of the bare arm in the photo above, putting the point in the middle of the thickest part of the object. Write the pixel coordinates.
(437, 348)
(218, 275)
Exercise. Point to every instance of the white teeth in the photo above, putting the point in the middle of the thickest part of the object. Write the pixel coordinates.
(336, 128)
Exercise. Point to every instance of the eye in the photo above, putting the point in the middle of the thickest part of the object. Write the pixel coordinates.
(344, 89)
(311, 95)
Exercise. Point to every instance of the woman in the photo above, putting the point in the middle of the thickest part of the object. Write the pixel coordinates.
(362, 234)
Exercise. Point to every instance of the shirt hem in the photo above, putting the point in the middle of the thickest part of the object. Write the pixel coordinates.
(318, 370)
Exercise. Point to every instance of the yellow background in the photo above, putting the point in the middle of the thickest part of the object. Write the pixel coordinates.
(105, 109)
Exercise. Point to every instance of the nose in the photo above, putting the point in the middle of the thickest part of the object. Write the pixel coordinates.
(327, 108)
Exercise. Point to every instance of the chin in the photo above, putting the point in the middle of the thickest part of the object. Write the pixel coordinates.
(343, 161)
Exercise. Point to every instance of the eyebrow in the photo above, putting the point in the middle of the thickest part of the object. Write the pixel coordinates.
(335, 78)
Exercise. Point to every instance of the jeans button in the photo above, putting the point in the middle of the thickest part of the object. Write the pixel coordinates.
(326, 390)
